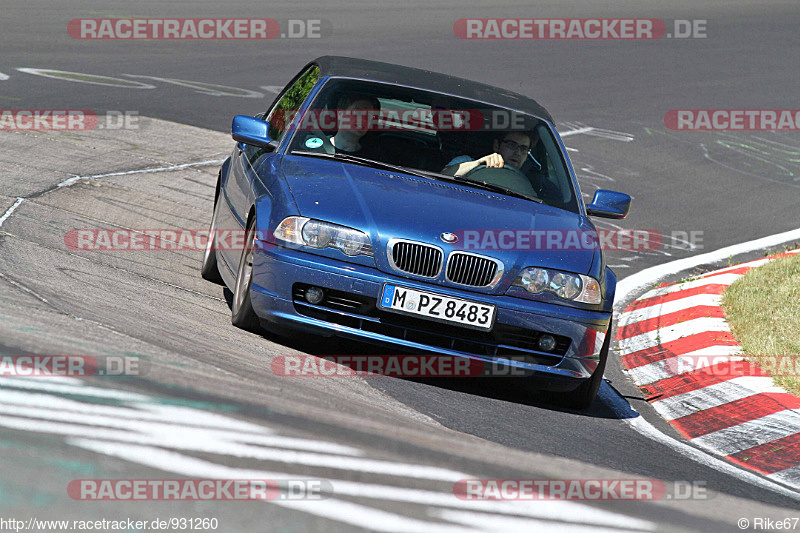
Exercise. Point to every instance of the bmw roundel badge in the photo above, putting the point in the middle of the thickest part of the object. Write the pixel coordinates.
(449, 238)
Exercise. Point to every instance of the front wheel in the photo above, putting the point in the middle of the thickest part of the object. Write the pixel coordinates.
(242, 313)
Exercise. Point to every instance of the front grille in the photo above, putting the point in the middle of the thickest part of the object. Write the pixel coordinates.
(416, 258)
(472, 270)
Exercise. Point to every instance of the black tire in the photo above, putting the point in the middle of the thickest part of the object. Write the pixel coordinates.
(210, 269)
(242, 313)
(582, 397)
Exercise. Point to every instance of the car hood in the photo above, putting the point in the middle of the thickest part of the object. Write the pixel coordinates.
(390, 205)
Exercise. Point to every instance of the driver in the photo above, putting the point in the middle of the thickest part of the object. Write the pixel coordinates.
(510, 149)
(349, 140)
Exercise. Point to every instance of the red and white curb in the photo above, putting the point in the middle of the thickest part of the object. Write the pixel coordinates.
(677, 347)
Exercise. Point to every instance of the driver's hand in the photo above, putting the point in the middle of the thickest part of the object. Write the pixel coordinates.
(494, 160)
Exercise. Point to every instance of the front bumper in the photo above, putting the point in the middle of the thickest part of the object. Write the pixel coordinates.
(280, 273)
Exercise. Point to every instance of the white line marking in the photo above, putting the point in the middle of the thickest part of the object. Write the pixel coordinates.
(790, 476)
(153, 413)
(53, 385)
(3, 77)
(644, 428)
(753, 433)
(272, 88)
(612, 135)
(738, 169)
(210, 89)
(487, 522)
(661, 336)
(370, 518)
(674, 366)
(566, 512)
(654, 311)
(64, 380)
(105, 81)
(171, 427)
(197, 440)
(713, 396)
(576, 132)
(74, 179)
(11, 210)
(722, 279)
(546, 509)
(178, 414)
(596, 132)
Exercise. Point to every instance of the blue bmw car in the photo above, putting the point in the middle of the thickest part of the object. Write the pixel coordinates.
(420, 211)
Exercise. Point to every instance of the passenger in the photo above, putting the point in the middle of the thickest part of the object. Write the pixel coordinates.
(510, 149)
(349, 140)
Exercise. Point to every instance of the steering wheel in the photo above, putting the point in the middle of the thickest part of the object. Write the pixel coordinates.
(506, 176)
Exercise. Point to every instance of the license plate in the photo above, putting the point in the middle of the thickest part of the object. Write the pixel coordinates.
(437, 307)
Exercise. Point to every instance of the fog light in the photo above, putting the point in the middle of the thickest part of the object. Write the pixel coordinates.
(315, 295)
(547, 343)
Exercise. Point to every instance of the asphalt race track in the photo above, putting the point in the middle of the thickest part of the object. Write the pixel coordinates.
(208, 405)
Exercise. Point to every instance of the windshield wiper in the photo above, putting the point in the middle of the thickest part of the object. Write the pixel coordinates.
(360, 161)
(486, 186)
(419, 173)
(497, 188)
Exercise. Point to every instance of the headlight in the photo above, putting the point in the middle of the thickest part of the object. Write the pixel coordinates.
(575, 287)
(319, 234)
(534, 280)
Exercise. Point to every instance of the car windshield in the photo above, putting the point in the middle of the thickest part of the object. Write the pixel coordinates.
(435, 135)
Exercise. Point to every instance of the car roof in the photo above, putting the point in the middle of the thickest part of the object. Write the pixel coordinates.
(428, 80)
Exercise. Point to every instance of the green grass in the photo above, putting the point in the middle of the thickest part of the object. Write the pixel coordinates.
(763, 311)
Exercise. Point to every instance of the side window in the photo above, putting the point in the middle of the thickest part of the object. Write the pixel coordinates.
(291, 100)
(556, 173)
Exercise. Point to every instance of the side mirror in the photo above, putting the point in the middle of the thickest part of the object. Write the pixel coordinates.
(609, 204)
(251, 131)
